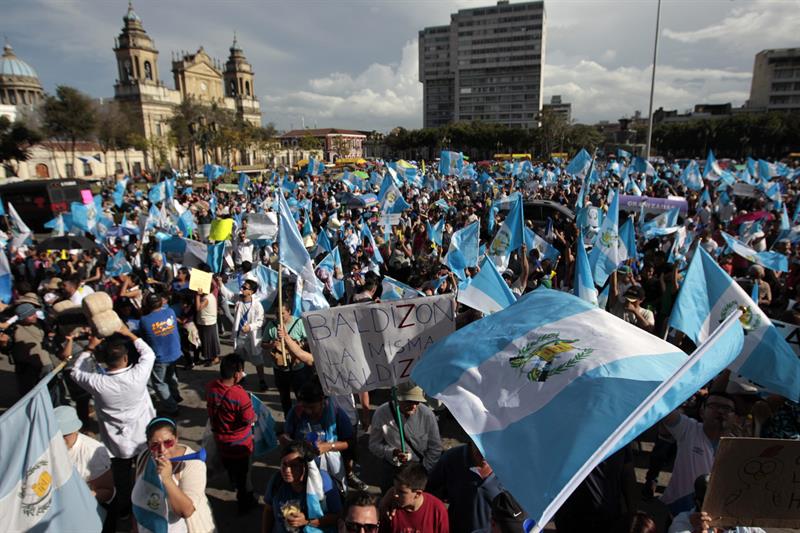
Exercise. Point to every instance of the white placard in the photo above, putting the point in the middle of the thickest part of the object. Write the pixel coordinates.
(367, 346)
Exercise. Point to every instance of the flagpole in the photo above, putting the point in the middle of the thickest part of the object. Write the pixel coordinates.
(653, 85)
(611, 442)
(282, 358)
(399, 419)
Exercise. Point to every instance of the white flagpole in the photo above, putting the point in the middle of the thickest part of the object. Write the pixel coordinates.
(653, 85)
(611, 442)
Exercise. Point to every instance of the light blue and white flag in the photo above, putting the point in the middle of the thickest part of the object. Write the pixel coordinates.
(534, 242)
(84, 216)
(20, 231)
(393, 202)
(397, 290)
(766, 170)
(294, 256)
(213, 172)
(377, 258)
(332, 263)
(754, 292)
(157, 193)
(315, 496)
(118, 265)
(119, 192)
(487, 292)
(215, 256)
(553, 369)
(463, 249)
(771, 260)
(605, 256)
(681, 244)
(691, 176)
(584, 282)
(435, 232)
(149, 499)
(264, 437)
(627, 241)
(643, 166)
(510, 236)
(708, 295)
(267, 286)
(6, 278)
(40, 490)
(712, 170)
(450, 163)
(664, 224)
(580, 164)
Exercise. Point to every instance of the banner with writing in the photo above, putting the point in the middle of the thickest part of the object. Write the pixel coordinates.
(367, 346)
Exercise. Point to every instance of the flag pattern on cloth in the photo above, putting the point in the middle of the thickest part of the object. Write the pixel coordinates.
(157, 193)
(772, 260)
(707, 296)
(584, 283)
(510, 236)
(579, 165)
(376, 253)
(534, 242)
(487, 292)
(215, 255)
(664, 224)
(712, 170)
(691, 176)
(213, 172)
(605, 256)
(315, 496)
(450, 163)
(149, 500)
(315, 168)
(463, 249)
(6, 278)
(397, 290)
(20, 231)
(264, 437)
(40, 489)
(118, 265)
(294, 256)
(262, 226)
(627, 241)
(267, 286)
(119, 192)
(553, 368)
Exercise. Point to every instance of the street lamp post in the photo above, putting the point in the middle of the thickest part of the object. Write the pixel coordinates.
(653, 84)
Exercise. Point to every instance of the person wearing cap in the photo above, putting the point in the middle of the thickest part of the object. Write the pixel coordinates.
(89, 457)
(507, 514)
(422, 443)
(633, 312)
(31, 360)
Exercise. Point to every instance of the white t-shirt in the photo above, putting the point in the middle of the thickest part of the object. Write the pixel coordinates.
(694, 459)
(208, 315)
(90, 457)
(80, 293)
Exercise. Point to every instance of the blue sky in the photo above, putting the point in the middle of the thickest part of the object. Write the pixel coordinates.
(353, 63)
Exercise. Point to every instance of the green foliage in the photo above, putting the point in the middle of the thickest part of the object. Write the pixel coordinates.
(16, 140)
(69, 115)
(770, 135)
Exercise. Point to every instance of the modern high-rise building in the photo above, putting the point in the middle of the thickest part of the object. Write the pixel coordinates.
(776, 80)
(486, 65)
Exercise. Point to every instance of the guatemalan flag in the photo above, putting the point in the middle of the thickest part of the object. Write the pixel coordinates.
(315, 168)
(584, 282)
(510, 236)
(556, 385)
(464, 249)
(707, 296)
(6, 278)
(397, 290)
(606, 256)
(40, 489)
(149, 499)
(772, 260)
(264, 437)
(487, 292)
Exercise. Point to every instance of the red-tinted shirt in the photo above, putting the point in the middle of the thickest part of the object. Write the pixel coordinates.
(231, 414)
(431, 517)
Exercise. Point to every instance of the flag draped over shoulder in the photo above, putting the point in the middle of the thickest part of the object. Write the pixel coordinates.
(556, 379)
(707, 296)
(40, 489)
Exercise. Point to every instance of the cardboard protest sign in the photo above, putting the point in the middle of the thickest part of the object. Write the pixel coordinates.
(200, 281)
(366, 346)
(755, 482)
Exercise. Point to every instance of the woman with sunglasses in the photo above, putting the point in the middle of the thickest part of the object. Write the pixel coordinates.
(184, 483)
(286, 508)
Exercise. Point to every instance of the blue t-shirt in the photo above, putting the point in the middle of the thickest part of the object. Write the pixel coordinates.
(160, 331)
(298, 425)
(280, 493)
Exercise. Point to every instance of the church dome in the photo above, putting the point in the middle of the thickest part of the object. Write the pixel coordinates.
(11, 65)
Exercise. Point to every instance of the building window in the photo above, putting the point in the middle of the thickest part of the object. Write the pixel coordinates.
(87, 168)
(12, 98)
(232, 85)
(137, 169)
(247, 88)
(69, 169)
(127, 70)
(118, 167)
(148, 71)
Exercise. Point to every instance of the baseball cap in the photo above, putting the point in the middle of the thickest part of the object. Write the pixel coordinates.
(507, 513)
(634, 292)
(25, 310)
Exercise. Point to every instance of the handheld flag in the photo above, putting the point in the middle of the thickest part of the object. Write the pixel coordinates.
(6, 279)
(708, 295)
(772, 260)
(397, 290)
(584, 283)
(510, 236)
(118, 265)
(149, 499)
(553, 368)
(264, 437)
(487, 292)
(605, 256)
(463, 249)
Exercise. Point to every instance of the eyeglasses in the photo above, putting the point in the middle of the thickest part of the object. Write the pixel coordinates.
(358, 527)
(156, 446)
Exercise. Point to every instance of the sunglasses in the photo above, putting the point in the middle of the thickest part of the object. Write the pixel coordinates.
(156, 446)
(358, 527)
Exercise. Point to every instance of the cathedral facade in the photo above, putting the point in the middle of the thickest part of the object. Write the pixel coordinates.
(197, 77)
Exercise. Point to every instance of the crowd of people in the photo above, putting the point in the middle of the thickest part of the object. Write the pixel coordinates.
(129, 381)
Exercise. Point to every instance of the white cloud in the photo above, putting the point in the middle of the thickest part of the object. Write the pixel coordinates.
(381, 97)
(597, 92)
(776, 20)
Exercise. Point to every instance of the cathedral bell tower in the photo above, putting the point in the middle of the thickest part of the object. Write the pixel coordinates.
(238, 79)
(137, 57)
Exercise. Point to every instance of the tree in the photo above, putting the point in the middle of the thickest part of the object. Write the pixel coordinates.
(16, 140)
(68, 117)
(113, 129)
(309, 143)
